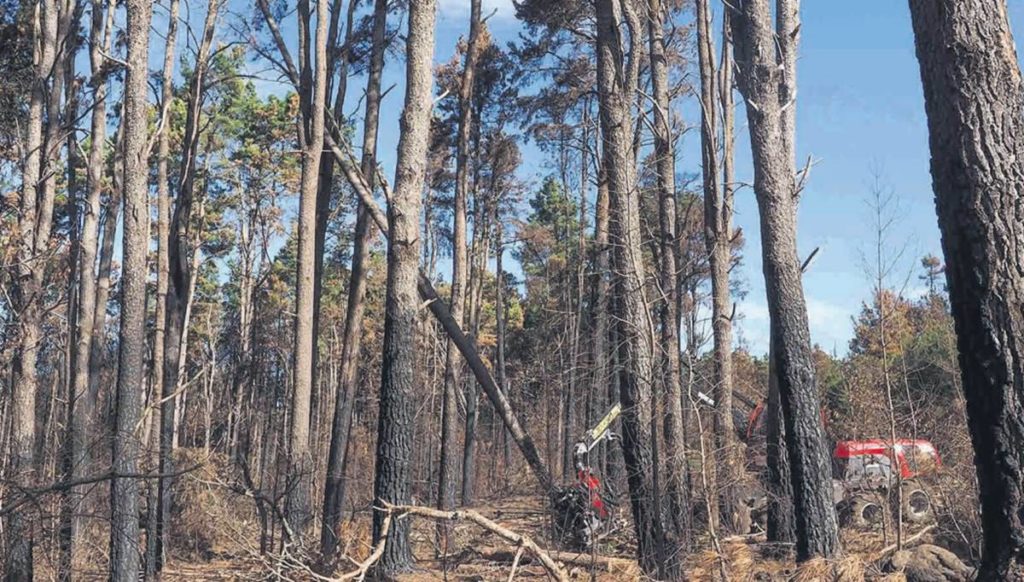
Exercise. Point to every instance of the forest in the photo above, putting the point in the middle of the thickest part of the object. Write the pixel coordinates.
(461, 290)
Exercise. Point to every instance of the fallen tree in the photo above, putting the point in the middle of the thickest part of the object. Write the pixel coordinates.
(522, 542)
(439, 308)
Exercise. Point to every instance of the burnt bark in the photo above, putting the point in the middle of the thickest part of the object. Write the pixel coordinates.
(768, 87)
(675, 446)
(617, 78)
(973, 97)
(781, 521)
(392, 478)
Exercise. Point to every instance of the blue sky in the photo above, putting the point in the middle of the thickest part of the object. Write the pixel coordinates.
(859, 108)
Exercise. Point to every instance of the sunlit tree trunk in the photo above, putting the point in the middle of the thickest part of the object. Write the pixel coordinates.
(769, 91)
(392, 475)
(299, 459)
(460, 268)
(617, 78)
(973, 98)
(675, 447)
(124, 536)
(163, 202)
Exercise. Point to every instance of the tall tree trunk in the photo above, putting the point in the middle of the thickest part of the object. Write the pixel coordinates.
(299, 458)
(334, 490)
(452, 367)
(34, 226)
(973, 98)
(781, 518)
(182, 245)
(675, 446)
(73, 429)
(500, 318)
(110, 219)
(709, 134)
(124, 530)
(770, 92)
(731, 471)
(603, 380)
(392, 475)
(163, 200)
(325, 186)
(718, 241)
(481, 245)
(617, 87)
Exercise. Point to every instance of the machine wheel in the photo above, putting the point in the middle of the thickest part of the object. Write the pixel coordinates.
(917, 504)
(864, 511)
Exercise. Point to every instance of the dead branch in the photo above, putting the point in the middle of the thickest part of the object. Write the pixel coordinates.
(520, 540)
(891, 548)
(363, 567)
(515, 564)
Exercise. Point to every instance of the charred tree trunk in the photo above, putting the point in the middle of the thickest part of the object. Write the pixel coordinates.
(617, 88)
(675, 446)
(768, 88)
(781, 521)
(973, 98)
(334, 491)
(124, 530)
(392, 478)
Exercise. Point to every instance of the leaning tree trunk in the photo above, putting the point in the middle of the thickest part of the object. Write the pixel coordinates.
(392, 476)
(974, 98)
(617, 86)
(769, 90)
(124, 529)
(675, 446)
(334, 491)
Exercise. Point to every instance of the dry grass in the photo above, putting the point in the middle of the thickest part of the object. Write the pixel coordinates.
(208, 520)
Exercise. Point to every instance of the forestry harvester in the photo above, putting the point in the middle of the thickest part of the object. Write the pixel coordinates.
(581, 509)
(866, 474)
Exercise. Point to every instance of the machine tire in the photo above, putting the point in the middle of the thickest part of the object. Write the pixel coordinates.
(864, 511)
(917, 503)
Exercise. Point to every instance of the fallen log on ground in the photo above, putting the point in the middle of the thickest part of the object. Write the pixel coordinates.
(521, 541)
(605, 563)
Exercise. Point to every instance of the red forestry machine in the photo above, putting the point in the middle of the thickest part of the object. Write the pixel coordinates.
(866, 474)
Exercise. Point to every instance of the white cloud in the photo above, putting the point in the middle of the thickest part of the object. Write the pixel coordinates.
(830, 324)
